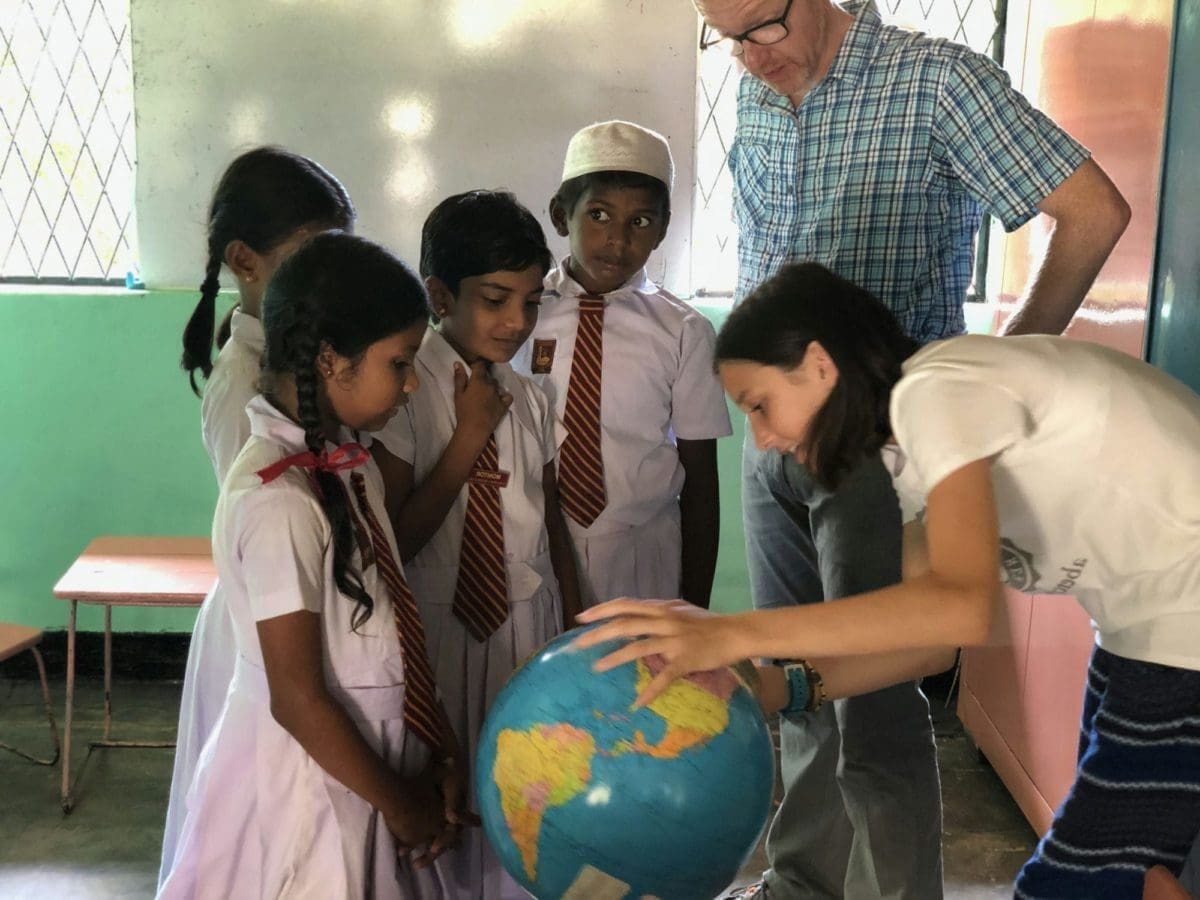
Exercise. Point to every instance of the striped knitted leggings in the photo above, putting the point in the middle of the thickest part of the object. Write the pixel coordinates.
(1135, 802)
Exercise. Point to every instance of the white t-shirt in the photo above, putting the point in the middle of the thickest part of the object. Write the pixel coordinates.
(224, 424)
(1096, 476)
(657, 385)
(526, 440)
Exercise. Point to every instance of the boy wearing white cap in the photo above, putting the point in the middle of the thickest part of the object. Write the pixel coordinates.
(628, 368)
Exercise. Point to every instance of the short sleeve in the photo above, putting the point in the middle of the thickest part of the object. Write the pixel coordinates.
(552, 431)
(944, 421)
(283, 543)
(698, 410)
(399, 435)
(1006, 153)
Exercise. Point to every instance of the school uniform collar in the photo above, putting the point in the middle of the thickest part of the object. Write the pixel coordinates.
(246, 330)
(268, 422)
(858, 48)
(561, 284)
(438, 358)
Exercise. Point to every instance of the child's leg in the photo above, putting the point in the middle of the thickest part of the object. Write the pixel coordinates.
(1135, 802)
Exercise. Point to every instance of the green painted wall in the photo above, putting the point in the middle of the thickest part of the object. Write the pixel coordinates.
(104, 438)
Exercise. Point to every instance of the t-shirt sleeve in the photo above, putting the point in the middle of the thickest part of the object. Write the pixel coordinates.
(698, 410)
(1006, 153)
(944, 421)
(399, 437)
(283, 544)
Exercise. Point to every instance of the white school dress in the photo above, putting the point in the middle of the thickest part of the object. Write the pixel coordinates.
(263, 819)
(225, 427)
(469, 673)
(1094, 476)
(657, 386)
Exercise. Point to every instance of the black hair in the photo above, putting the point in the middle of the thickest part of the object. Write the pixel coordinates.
(572, 189)
(806, 302)
(347, 292)
(478, 232)
(264, 197)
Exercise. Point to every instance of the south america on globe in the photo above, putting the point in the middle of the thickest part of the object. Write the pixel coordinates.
(581, 795)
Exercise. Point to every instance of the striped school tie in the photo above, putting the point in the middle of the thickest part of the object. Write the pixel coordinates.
(580, 466)
(481, 595)
(421, 712)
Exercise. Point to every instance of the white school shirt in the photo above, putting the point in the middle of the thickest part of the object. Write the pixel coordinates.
(224, 424)
(263, 819)
(657, 385)
(1095, 476)
(526, 440)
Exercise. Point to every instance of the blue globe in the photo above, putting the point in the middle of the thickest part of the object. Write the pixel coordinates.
(577, 790)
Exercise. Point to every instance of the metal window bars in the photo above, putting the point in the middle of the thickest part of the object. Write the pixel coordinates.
(66, 170)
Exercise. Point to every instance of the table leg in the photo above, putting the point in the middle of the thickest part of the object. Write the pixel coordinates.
(107, 670)
(66, 755)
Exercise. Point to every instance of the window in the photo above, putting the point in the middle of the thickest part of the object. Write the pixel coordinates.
(977, 23)
(66, 171)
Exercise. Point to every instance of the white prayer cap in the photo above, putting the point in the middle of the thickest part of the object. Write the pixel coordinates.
(619, 147)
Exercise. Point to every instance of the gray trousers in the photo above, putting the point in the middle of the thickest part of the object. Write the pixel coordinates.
(861, 814)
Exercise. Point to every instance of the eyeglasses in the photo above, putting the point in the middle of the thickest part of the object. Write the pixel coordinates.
(764, 34)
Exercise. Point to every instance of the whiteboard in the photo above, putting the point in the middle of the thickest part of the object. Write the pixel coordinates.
(406, 102)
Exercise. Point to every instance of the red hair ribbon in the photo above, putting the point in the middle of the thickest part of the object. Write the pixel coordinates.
(348, 456)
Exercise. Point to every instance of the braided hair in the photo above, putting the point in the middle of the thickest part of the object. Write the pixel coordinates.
(264, 197)
(348, 293)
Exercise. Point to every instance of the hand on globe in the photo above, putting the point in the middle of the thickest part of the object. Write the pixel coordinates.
(688, 638)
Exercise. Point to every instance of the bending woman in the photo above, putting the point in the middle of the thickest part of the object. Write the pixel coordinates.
(1073, 464)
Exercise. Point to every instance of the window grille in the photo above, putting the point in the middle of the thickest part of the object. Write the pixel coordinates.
(66, 172)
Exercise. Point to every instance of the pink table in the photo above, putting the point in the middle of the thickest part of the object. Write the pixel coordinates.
(127, 571)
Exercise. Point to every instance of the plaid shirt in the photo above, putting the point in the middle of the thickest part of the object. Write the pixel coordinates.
(882, 172)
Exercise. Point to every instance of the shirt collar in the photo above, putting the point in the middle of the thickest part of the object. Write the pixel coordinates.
(858, 48)
(246, 330)
(268, 422)
(438, 358)
(561, 283)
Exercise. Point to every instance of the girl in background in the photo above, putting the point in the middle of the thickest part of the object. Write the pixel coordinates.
(266, 204)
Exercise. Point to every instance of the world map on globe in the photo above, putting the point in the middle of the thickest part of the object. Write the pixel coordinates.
(575, 783)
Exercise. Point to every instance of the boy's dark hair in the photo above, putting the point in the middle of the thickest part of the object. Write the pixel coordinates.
(806, 302)
(478, 232)
(572, 189)
(349, 293)
(264, 197)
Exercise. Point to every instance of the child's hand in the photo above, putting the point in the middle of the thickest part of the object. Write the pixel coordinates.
(418, 821)
(479, 402)
(451, 778)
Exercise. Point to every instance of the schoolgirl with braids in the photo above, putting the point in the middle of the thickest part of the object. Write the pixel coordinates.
(265, 205)
(332, 770)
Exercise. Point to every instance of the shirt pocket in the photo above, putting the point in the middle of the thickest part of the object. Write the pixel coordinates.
(765, 179)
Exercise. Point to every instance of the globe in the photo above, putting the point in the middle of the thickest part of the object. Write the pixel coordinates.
(584, 796)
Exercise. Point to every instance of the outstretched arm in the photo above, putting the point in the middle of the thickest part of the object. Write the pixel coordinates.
(915, 621)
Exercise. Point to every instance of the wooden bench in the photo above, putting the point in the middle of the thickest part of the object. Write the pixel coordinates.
(127, 571)
(16, 639)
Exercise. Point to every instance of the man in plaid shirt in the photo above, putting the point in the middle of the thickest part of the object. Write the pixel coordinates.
(874, 151)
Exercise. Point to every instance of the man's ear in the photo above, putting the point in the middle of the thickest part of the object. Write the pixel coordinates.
(559, 217)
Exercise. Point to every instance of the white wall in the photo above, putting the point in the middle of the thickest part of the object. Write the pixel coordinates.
(406, 101)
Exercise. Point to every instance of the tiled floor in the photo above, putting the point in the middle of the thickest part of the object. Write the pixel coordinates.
(108, 847)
